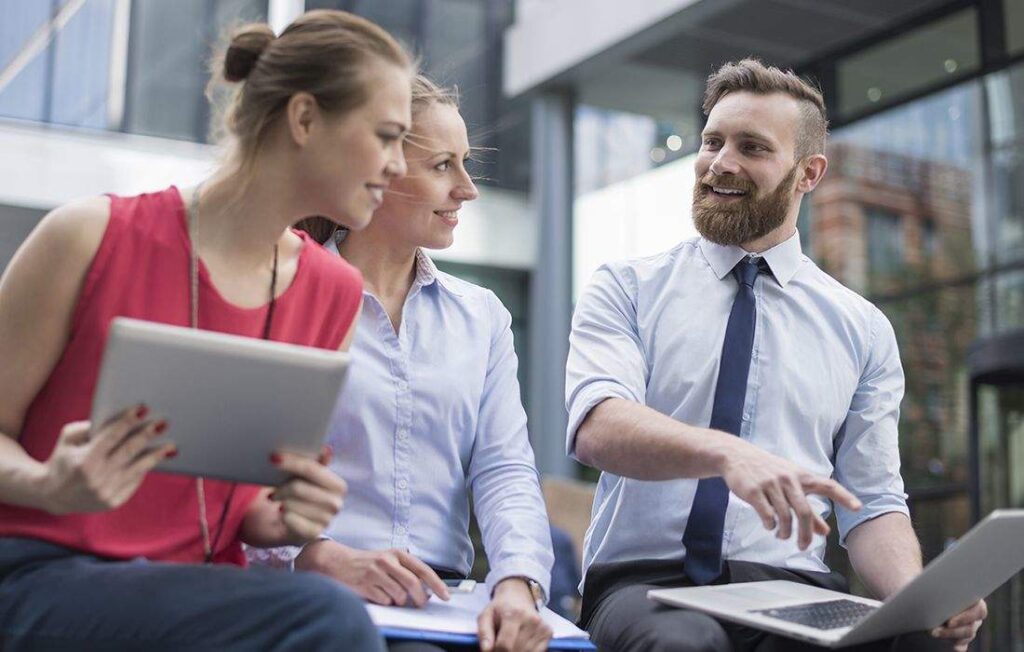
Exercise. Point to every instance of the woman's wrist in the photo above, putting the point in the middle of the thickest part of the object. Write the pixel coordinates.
(35, 488)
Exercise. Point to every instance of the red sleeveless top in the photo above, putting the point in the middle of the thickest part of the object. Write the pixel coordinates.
(141, 270)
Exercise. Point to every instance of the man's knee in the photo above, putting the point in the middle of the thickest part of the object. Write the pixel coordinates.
(671, 630)
(691, 639)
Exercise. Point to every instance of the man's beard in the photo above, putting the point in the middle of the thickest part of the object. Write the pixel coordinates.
(743, 220)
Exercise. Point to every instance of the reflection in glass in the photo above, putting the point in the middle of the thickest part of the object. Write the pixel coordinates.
(66, 81)
(1001, 428)
(1009, 301)
(168, 51)
(1013, 18)
(919, 165)
(929, 55)
(1006, 97)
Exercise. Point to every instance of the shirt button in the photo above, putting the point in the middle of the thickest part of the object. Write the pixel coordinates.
(400, 531)
(403, 433)
(402, 484)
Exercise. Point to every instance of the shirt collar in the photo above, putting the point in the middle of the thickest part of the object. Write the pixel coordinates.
(428, 274)
(783, 259)
(426, 271)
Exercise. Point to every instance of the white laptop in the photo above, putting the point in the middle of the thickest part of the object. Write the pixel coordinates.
(990, 554)
(230, 401)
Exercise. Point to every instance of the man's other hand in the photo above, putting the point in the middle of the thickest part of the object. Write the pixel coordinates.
(963, 627)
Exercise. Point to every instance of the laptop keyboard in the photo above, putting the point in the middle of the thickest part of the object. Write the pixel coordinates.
(822, 615)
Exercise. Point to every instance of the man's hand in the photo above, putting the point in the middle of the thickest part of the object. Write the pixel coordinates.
(387, 577)
(511, 622)
(776, 488)
(963, 627)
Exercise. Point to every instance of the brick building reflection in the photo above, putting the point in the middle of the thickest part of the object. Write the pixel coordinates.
(894, 228)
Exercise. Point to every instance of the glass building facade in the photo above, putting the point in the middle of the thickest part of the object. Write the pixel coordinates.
(141, 67)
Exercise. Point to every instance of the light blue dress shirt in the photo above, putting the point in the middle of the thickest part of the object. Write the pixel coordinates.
(429, 416)
(824, 391)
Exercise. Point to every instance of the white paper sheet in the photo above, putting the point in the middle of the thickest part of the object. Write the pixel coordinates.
(457, 616)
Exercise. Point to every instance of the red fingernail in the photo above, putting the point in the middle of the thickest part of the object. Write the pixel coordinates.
(326, 453)
(171, 453)
(281, 508)
(160, 427)
(141, 412)
(275, 458)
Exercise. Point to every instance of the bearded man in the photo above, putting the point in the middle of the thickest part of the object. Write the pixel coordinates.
(731, 393)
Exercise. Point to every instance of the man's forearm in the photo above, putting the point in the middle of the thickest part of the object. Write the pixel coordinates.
(885, 553)
(635, 441)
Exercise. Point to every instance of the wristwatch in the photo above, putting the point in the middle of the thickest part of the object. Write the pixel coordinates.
(537, 591)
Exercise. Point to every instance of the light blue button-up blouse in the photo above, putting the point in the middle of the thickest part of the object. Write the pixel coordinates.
(430, 416)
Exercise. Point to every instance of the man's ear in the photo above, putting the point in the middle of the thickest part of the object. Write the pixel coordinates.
(812, 171)
(302, 112)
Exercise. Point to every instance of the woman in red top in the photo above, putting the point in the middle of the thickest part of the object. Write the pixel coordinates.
(86, 533)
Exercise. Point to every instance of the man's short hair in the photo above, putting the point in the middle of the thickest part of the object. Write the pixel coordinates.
(752, 76)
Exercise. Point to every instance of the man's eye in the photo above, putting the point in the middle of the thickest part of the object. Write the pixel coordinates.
(443, 166)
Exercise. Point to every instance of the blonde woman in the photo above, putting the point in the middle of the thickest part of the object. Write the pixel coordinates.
(431, 413)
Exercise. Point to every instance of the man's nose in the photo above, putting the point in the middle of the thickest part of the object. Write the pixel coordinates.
(724, 163)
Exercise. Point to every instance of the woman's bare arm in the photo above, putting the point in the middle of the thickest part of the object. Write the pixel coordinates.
(38, 294)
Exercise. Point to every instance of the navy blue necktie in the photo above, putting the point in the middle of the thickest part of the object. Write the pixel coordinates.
(703, 534)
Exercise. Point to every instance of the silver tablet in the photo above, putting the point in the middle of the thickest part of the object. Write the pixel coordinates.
(229, 401)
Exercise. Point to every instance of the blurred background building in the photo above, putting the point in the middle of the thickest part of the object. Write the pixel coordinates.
(587, 115)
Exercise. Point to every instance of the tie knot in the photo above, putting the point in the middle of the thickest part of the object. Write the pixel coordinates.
(746, 270)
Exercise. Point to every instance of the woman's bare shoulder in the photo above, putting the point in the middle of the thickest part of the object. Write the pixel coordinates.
(75, 229)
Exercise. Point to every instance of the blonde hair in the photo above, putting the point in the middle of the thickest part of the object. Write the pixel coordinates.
(752, 76)
(426, 93)
(326, 53)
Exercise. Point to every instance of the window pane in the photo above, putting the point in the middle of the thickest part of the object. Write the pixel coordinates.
(66, 80)
(1006, 116)
(910, 62)
(886, 247)
(1001, 432)
(1013, 17)
(903, 202)
(170, 46)
(400, 17)
(934, 330)
(82, 67)
(1009, 301)
(25, 95)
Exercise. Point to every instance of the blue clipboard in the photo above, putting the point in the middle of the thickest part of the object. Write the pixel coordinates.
(398, 633)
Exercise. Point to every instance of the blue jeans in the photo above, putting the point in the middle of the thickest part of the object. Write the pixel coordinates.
(53, 598)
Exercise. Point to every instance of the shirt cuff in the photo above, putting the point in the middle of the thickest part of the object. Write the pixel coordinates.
(298, 550)
(873, 507)
(586, 400)
(520, 568)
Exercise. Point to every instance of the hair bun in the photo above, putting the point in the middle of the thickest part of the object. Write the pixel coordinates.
(247, 44)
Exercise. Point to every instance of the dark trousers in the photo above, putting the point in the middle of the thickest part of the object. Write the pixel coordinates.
(53, 598)
(620, 617)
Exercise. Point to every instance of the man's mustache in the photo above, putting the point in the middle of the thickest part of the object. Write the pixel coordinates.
(726, 181)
